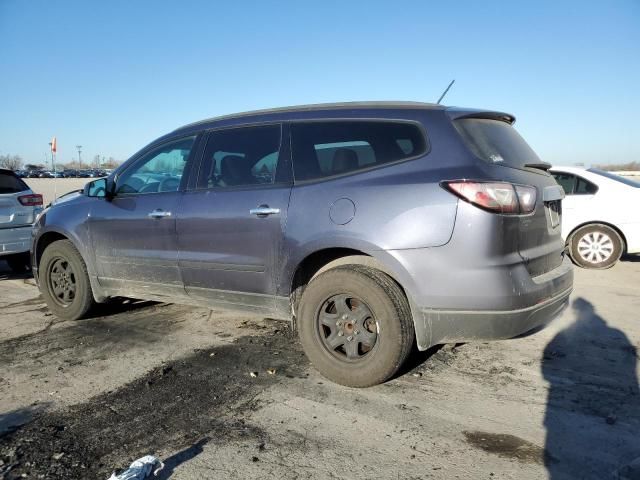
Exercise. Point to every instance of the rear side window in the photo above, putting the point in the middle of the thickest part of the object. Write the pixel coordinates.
(496, 142)
(574, 185)
(238, 157)
(9, 183)
(323, 149)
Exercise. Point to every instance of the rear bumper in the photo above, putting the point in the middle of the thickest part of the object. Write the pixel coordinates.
(449, 326)
(534, 301)
(15, 240)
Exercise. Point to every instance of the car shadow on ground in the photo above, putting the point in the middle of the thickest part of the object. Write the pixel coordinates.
(7, 274)
(593, 403)
(630, 258)
(117, 305)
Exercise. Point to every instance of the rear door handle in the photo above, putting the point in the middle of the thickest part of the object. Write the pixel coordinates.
(157, 213)
(264, 211)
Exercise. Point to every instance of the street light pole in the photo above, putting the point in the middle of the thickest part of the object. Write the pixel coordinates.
(79, 147)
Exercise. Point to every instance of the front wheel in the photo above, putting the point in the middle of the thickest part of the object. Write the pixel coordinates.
(64, 281)
(595, 246)
(355, 325)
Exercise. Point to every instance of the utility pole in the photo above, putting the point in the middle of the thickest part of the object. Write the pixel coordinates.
(79, 147)
(52, 161)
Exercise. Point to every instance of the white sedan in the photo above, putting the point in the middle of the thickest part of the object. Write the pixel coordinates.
(600, 215)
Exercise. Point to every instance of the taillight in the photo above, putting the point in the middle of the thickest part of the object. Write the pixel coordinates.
(497, 197)
(31, 200)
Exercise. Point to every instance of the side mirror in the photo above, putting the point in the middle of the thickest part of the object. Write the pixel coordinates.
(97, 188)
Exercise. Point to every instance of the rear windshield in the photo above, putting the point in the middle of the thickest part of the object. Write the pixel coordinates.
(9, 183)
(617, 178)
(496, 142)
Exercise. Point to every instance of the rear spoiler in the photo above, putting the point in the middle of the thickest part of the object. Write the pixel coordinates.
(456, 113)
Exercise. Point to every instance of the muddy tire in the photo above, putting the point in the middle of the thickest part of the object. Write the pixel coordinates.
(596, 246)
(19, 262)
(64, 281)
(355, 325)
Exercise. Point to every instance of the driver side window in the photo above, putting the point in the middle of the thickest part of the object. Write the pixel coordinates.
(158, 171)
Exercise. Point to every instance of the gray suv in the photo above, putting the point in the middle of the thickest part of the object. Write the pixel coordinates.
(370, 226)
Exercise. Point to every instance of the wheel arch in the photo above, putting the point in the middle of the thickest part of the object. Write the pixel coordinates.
(598, 222)
(45, 239)
(327, 258)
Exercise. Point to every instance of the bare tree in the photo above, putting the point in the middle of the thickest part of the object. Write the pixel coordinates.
(12, 162)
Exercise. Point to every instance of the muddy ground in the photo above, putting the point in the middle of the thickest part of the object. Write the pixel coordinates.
(222, 396)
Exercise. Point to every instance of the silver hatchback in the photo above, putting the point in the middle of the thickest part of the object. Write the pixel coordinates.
(19, 207)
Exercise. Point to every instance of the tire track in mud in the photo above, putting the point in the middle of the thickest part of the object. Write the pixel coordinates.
(201, 397)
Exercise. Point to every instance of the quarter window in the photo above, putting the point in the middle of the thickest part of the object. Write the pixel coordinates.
(158, 171)
(574, 185)
(323, 149)
(240, 157)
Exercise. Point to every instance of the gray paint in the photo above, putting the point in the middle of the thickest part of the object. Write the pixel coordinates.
(468, 273)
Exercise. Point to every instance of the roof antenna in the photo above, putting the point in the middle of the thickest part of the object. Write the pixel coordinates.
(445, 91)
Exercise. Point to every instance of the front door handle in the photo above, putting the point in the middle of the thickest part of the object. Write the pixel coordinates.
(157, 213)
(264, 211)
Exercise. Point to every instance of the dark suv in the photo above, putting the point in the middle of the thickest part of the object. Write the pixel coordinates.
(370, 226)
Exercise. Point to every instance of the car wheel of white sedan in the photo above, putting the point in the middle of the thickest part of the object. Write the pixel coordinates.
(595, 246)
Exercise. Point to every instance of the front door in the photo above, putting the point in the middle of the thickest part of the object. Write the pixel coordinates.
(230, 227)
(134, 234)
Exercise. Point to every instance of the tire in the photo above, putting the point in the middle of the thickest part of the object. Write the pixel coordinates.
(19, 262)
(64, 281)
(355, 325)
(596, 246)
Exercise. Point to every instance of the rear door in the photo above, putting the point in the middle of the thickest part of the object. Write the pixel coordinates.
(493, 139)
(134, 234)
(230, 226)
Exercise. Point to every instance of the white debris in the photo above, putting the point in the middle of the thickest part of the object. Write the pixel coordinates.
(140, 469)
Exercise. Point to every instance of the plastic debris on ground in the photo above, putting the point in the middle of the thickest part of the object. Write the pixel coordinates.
(140, 469)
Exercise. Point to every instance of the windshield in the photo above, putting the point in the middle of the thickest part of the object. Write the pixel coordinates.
(496, 142)
(617, 178)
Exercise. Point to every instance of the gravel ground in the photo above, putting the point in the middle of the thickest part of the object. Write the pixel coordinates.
(228, 396)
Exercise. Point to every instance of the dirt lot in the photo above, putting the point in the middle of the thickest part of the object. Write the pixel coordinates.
(80, 399)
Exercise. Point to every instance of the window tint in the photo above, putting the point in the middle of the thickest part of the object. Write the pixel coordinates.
(566, 181)
(322, 149)
(240, 157)
(160, 170)
(496, 142)
(9, 183)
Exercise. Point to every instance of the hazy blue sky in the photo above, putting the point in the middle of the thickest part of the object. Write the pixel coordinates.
(113, 75)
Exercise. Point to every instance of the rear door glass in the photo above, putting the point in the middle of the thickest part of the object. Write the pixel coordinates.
(240, 157)
(327, 148)
(9, 183)
(496, 142)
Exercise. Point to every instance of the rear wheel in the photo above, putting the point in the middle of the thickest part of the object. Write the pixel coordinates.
(19, 262)
(595, 246)
(355, 325)
(64, 281)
